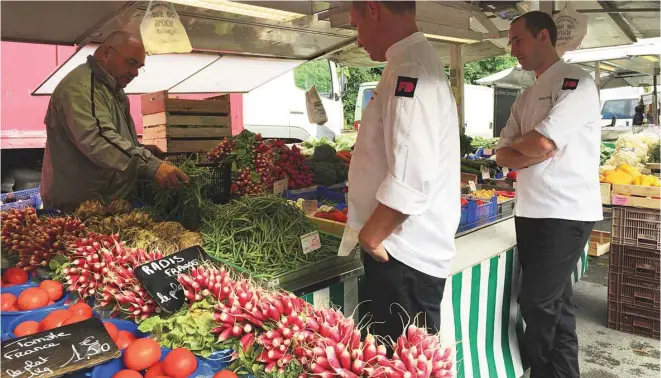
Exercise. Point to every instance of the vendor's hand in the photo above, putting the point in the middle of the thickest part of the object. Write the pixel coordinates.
(169, 176)
(377, 252)
(155, 150)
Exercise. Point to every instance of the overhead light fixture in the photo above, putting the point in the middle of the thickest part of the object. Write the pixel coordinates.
(606, 67)
(651, 58)
(242, 9)
(446, 38)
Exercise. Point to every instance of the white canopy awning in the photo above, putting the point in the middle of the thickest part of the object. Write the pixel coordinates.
(187, 73)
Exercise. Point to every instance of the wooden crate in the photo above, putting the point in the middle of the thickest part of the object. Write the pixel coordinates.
(466, 177)
(328, 226)
(180, 125)
(605, 193)
(600, 243)
(636, 196)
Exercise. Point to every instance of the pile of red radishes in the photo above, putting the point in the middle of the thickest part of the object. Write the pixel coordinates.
(47, 293)
(291, 164)
(280, 327)
(100, 266)
(36, 240)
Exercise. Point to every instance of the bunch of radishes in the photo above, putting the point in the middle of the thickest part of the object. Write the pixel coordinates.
(221, 151)
(290, 164)
(36, 240)
(282, 328)
(101, 266)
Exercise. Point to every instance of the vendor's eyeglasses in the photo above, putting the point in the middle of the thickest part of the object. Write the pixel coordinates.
(131, 62)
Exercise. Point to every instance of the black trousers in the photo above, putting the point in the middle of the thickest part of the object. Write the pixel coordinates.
(549, 250)
(400, 295)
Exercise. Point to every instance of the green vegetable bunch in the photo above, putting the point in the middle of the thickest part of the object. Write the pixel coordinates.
(327, 168)
(480, 142)
(654, 154)
(189, 328)
(606, 153)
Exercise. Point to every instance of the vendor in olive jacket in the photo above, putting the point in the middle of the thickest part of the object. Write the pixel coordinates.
(92, 150)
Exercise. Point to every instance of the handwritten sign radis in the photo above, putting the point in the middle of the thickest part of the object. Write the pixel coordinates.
(59, 351)
(159, 277)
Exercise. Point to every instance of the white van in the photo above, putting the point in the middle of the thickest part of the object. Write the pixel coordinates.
(365, 91)
(277, 108)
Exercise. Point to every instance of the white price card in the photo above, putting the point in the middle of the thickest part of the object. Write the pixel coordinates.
(472, 186)
(310, 242)
(310, 206)
(514, 184)
(505, 171)
(485, 172)
(279, 186)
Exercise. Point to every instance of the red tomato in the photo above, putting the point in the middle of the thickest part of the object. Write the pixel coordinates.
(28, 327)
(81, 308)
(155, 371)
(179, 363)
(50, 303)
(15, 276)
(55, 319)
(112, 330)
(127, 373)
(124, 339)
(75, 319)
(225, 374)
(53, 288)
(32, 298)
(142, 353)
(7, 301)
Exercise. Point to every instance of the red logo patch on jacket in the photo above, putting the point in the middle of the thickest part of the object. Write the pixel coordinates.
(569, 84)
(405, 86)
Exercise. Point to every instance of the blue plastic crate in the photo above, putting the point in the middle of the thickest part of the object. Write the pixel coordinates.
(318, 193)
(474, 215)
(26, 198)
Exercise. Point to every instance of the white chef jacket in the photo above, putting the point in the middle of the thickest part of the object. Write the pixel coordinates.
(562, 105)
(407, 157)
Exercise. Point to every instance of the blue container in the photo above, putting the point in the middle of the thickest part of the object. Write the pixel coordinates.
(7, 317)
(26, 198)
(37, 316)
(319, 193)
(108, 369)
(127, 325)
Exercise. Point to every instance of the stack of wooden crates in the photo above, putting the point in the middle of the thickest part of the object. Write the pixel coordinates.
(634, 269)
(180, 126)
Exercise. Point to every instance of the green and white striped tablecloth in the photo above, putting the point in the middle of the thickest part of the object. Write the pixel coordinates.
(480, 315)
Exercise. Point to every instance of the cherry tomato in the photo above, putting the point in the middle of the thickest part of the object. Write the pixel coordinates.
(155, 371)
(179, 363)
(81, 308)
(225, 374)
(15, 276)
(32, 298)
(28, 327)
(75, 319)
(127, 373)
(53, 288)
(112, 330)
(7, 301)
(55, 319)
(124, 339)
(142, 353)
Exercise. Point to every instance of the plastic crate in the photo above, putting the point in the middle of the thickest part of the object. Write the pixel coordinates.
(25, 198)
(318, 193)
(635, 291)
(635, 262)
(633, 319)
(637, 227)
(474, 215)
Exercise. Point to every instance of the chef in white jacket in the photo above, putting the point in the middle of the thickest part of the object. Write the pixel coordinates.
(404, 178)
(553, 136)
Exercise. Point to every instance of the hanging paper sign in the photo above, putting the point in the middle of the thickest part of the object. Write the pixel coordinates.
(162, 31)
(485, 172)
(280, 186)
(572, 28)
(472, 186)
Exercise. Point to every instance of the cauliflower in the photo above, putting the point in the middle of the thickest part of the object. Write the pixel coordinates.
(606, 168)
(625, 156)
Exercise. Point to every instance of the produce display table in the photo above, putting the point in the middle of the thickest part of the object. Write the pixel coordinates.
(479, 313)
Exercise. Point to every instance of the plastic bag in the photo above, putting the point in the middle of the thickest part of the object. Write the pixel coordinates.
(161, 30)
(572, 28)
(316, 111)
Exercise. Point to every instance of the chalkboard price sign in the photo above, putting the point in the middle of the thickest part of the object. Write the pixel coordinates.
(59, 351)
(159, 277)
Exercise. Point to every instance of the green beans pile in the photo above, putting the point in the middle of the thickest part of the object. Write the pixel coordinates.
(262, 234)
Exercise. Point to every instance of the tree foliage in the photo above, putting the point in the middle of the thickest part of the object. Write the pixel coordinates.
(483, 68)
(355, 77)
(316, 72)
